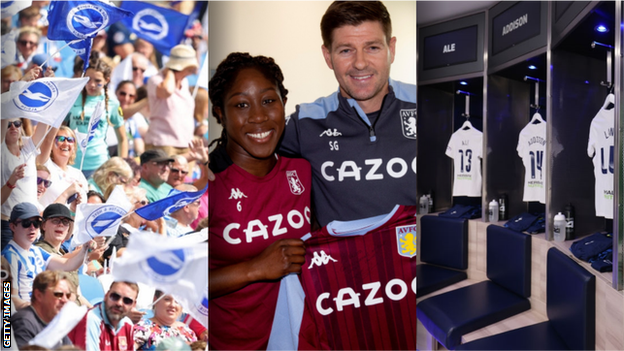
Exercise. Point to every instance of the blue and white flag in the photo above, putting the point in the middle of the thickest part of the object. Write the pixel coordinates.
(176, 267)
(170, 204)
(162, 27)
(10, 8)
(45, 100)
(82, 48)
(100, 219)
(93, 125)
(8, 49)
(68, 317)
(71, 20)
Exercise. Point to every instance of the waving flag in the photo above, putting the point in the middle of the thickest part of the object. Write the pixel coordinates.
(173, 266)
(46, 100)
(67, 318)
(123, 71)
(171, 203)
(82, 48)
(10, 8)
(162, 27)
(93, 125)
(71, 20)
(100, 219)
(8, 49)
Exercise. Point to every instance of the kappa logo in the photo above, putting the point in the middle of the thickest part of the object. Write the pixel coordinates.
(294, 183)
(103, 218)
(86, 20)
(236, 194)
(408, 123)
(406, 240)
(331, 133)
(37, 97)
(321, 259)
(151, 23)
(166, 267)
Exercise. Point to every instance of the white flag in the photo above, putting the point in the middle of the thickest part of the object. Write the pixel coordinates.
(67, 318)
(46, 100)
(100, 219)
(8, 49)
(123, 71)
(176, 267)
(81, 138)
(10, 8)
(202, 79)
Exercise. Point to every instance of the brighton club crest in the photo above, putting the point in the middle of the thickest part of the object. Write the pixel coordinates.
(294, 183)
(408, 123)
(151, 23)
(86, 20)
(406, 240)
(37, 97)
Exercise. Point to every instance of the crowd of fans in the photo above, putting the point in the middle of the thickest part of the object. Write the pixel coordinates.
(151, 141)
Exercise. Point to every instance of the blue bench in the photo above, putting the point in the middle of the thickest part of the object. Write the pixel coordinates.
(571, 310)
(449, 316)
(443, 252)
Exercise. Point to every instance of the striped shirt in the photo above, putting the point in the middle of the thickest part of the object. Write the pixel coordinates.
(25, 265)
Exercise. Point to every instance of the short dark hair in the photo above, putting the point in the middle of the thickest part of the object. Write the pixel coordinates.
(353, 13)
(48, 279)
(96, 194)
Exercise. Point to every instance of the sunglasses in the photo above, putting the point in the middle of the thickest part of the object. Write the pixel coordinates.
(27, 42)
(28, 222)
(123, 93)
(57, 221)
(142, 202)
(137, 69)
(62, 139)
(126, 300)
(15, 124)
(45, 182)
(175, 170)
(60, 294)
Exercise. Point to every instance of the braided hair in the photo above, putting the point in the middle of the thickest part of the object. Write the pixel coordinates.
(99, 65)
(226, 74)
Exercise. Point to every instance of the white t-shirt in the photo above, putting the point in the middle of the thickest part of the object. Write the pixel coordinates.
(26, 190)
(61, 180)
(600, 148)
(532, 148)
(466, 148)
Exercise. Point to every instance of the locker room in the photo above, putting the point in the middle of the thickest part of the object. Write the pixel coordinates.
(520, 175)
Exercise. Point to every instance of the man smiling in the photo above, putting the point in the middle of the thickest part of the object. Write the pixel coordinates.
(155, 168)
(362, 152)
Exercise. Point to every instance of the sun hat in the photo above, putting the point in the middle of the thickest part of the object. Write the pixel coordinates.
(182, 56)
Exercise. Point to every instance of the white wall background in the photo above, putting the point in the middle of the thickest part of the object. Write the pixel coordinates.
(289, 31)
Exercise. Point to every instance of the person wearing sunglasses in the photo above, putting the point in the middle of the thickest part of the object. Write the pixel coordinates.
(56, 228)
(59, 159)
(179, 221)
(178, 171)
(150, 332)
(18, 174)
(51, 291)
(26, 45)
(43, 182)
(107, 326)
(28, 260)
(126, 93)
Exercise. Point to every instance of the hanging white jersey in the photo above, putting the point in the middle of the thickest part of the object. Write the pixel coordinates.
(466, 148)
(532, 148)
(600, 148)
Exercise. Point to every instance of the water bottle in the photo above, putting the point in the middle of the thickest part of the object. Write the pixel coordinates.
(430, 197)
(569, 216)
(493, 211)
(559, 227)
(502, 207)
(424, 205)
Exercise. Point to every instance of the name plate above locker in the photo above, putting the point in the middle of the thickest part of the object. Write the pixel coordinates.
(451, 48)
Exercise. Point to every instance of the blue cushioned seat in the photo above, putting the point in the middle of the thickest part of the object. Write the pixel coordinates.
(443, 251)
(571, 301)
(451, 315)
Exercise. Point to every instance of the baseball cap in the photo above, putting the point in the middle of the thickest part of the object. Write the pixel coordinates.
(39, 59)
(156, 155)
(57, 210)
(24, 210)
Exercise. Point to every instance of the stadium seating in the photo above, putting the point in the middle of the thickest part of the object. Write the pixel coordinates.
(443, 253)
(571, 310)
(449, 316)
(91, 288)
